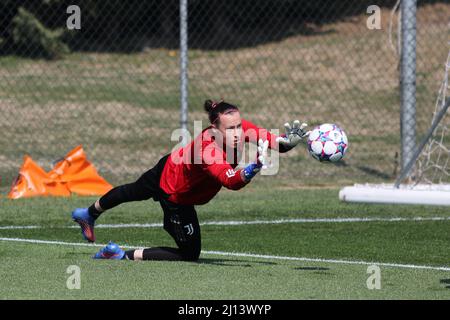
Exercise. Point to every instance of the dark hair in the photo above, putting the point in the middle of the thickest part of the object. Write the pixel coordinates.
(214, 109)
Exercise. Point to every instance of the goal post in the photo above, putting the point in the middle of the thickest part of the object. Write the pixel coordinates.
(428, 171)
(437, 120)
(425, 172)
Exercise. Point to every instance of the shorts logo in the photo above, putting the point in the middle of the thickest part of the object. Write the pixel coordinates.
(230, 173)
(190, 229)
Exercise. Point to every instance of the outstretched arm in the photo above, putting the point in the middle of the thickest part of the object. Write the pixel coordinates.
(282, 143)
(235, 180)
(294, 134)
(226, 175)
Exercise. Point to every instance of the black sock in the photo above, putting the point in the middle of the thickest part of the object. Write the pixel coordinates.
(156, 254)
(93, 212)
(162, 253)
(129, 255)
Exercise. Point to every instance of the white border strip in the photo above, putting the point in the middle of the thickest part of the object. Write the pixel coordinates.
(367, 194)
(243, 222)
(250, 255)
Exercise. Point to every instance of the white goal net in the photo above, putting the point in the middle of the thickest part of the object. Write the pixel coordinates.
(433, 164)
(426, 179)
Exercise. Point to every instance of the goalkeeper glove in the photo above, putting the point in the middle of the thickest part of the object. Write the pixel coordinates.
(293, 135)
(253, 168)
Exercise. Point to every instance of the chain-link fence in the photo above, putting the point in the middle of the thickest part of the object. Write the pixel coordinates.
(114, 85)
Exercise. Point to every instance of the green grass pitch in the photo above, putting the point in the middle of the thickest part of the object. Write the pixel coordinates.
(38, 270)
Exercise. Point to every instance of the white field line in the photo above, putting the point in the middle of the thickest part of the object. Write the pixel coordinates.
(19, 227)
(249, 255)
(251, 222)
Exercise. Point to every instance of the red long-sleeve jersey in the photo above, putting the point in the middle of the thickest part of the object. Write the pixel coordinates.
(194, 174)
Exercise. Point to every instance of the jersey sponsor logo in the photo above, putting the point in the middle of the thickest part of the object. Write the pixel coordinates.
(190, 229)
(230, 173)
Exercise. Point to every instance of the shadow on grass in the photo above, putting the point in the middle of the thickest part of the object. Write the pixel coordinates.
(447, 282)
(233, 262)
(375, 173)
(312, 268)
(74, 254)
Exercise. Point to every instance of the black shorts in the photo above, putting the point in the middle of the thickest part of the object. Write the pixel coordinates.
(180, 221)
(148, 183)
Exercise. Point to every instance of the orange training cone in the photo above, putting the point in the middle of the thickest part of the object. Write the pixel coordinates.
(73, 174)
(34, 181)
(79, 174)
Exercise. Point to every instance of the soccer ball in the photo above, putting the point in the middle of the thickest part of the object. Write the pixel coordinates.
(327, 142)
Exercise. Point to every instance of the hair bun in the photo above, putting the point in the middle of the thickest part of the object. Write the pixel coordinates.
(208, 105)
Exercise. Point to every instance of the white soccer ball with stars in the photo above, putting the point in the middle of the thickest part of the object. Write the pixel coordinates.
(327, 142)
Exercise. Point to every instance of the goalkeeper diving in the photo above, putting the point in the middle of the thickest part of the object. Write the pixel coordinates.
(189, 176)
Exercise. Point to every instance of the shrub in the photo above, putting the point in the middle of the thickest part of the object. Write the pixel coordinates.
(33, 39)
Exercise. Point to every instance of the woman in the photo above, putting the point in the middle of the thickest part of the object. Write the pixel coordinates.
(189, 176)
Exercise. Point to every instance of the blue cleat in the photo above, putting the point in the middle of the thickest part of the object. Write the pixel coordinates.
(111, 251)
(86, 222)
